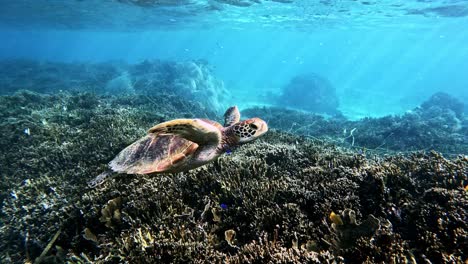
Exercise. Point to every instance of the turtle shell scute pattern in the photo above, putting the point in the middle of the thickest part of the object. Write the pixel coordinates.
(153, 153)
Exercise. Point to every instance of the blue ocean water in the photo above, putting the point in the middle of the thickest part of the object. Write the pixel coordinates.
(382, 57)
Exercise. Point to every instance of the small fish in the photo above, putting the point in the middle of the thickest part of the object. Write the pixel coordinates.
(223, 206)
(27, 131)
(228, 152)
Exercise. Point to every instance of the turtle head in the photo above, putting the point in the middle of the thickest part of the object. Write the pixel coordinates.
(248, 130)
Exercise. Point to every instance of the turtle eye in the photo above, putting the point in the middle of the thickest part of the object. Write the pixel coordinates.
(253, 126)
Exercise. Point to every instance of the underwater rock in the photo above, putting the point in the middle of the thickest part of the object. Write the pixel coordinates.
(197, 83)
(191, 80)
(444, 102)
(310, 92)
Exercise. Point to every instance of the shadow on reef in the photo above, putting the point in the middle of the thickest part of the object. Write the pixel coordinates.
(282, 199)
(438, 124)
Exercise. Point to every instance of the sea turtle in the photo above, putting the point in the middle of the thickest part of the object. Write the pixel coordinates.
(184, 144)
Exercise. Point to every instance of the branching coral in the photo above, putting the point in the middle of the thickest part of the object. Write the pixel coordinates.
(275, 194)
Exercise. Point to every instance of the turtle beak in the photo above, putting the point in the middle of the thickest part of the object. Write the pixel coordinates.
(262, 127)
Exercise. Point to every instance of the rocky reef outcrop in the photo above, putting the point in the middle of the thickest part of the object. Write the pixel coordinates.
(310, 92)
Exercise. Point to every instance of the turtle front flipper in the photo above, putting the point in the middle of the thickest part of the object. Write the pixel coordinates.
(231, 116)
(195, 130)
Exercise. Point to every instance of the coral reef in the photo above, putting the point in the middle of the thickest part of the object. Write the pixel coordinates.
(44, 168)
(310, 92)
(444, 102)
(438, 124)
(269, 201)
(191, 80)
